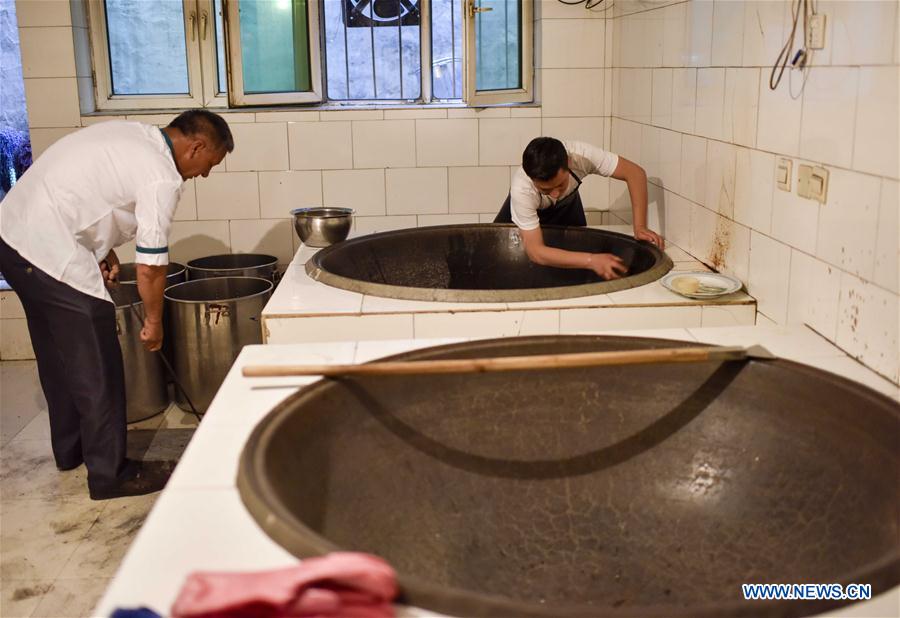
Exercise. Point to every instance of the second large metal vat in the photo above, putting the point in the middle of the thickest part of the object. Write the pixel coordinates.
(145, 379)
(211, 320)
(234, 265)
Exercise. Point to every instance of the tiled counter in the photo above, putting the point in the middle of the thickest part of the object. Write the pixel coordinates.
(200, 523)
(302, 310)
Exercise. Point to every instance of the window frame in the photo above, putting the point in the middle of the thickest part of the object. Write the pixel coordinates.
(200, 19)
(236, 95)
(471, 95)
(101, 68)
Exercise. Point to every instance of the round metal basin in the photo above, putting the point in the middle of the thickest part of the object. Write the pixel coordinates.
(479, 263)
(652, 490)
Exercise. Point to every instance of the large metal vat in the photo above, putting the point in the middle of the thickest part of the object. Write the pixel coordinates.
(479, 263)
(145, 378)
(602, 492)
(234, 265)
(211, 320)
(175, 273)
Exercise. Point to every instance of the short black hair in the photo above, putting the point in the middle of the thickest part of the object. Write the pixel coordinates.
(205, 122)
(544, 157)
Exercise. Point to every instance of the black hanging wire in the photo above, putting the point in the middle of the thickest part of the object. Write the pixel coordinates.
(784, 56)
(588, 4)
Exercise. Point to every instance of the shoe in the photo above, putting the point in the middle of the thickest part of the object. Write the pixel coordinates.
(149, 477)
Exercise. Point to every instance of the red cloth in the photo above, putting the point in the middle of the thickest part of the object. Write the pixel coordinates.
(343, 584)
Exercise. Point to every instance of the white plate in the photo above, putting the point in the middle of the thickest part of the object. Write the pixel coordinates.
(711, 285)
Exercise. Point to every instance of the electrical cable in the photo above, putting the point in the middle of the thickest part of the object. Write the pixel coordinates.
(803, 57)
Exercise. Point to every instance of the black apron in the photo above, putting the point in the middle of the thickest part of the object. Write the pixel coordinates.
(567, 211)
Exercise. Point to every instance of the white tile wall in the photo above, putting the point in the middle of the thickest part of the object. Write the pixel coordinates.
(661, 101)
(829, 111)
(739, 117)
(876, 120)
(769, 279)
(187, 205)
(585, 129)
(258, 147)
(684, 99)
(269, 236)
(764, 24)
(34, 13)
(813, 297)
(795, 219)
(52, 102)
(384, 143)
(478, 189)
(753, 186)
(887, 256)
(779, 117)
(693, 168)
(372, 225)
(710, 110)
(721, 161)
(47, 52)
(362, 190)
(194, 239)
(571, 44)
(673, 35)
(501, 141)
(416, 191)
(234, 195)
(867, 325)
(571, 92)
(727, 33)
(426, 220)
(446, 142)
(41, 139)
(280, 192)
(320, 145)
(863, 31)
(848, 223)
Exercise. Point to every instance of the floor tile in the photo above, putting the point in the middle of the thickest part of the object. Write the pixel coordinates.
(100, 552)
(71, 598)
(27, 470)
(21, 398)
(40, 534)
(18, 598)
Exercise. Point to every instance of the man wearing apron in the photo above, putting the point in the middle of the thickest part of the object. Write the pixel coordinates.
(544, 191)
(89, 192)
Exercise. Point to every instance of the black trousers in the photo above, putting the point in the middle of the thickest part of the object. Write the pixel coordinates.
(80, 366)
(568, 211)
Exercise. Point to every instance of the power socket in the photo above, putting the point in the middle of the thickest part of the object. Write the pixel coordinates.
(815, 33)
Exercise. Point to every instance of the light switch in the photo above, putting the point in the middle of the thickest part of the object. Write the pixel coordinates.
(783, 173)
(812, 183)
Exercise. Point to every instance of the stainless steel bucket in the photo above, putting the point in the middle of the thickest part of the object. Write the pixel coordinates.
(211, 320)
(145, 377)
(233, 265)
(175, 273)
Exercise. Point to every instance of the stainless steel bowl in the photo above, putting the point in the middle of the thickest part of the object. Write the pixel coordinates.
(320, 227)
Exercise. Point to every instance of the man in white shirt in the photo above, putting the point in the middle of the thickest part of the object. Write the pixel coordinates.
(93, 190)
(544, 191)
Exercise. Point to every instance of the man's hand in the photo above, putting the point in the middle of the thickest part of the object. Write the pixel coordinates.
(607, 265)
(152, 335)
(650, 236)
(109, 268)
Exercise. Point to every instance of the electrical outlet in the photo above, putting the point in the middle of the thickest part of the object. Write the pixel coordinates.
(815, 34)
(783, 173)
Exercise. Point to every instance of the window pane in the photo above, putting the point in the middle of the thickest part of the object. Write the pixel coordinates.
(147, 47)
(372, 49)
(222, 85)
(446, 46)
(498, 45)
(274, 46)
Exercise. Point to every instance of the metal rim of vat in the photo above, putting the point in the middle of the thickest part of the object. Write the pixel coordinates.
(282, 526)
(264, 286)
(663, 264)
(239, 262)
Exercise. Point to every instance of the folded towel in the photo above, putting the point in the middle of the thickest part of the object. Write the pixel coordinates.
(344, 584)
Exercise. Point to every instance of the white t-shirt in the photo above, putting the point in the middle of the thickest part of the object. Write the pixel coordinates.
(91, 191)
(526, 200)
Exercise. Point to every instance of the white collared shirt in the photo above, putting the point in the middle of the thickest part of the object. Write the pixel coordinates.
(91, 191)
(525, 199)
